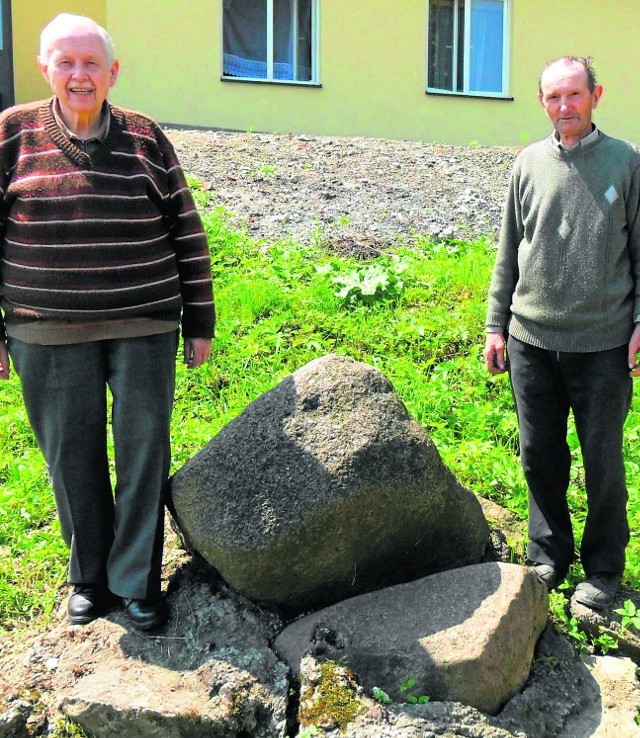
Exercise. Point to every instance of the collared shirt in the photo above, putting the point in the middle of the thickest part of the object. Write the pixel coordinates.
(88, 145)
(588, 139)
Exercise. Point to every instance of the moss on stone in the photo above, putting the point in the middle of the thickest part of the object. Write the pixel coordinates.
(331, 700)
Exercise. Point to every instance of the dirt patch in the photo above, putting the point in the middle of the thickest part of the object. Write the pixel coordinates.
(358, 194)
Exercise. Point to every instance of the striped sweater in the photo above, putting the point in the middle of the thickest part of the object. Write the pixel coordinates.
(111, 235)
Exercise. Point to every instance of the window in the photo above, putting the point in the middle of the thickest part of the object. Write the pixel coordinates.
(272, 40)
(468, 46)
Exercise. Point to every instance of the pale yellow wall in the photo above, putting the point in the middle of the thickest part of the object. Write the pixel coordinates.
(169, 53)
(606, 31)
(372, 71)
(28, 18)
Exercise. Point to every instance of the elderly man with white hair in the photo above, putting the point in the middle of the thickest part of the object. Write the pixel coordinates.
(103, 259)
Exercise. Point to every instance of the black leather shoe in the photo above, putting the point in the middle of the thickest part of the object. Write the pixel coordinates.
(598, 591)
(88, 602)
(547, 574)
(146, 614)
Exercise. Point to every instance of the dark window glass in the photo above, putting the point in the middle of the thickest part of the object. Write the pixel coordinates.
(447, 55)
(251, 52)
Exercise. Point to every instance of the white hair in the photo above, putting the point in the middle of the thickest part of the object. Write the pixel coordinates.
(60, 26)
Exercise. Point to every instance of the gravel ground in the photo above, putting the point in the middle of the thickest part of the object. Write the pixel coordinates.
(359, 193)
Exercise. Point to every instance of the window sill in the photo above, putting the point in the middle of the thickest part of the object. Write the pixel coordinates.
(278, 82)
(469, 95)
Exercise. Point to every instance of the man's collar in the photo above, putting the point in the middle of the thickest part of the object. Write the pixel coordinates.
(101, 133)
(589, 139)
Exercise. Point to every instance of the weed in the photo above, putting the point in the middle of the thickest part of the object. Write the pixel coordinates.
(266, 170)
(309, 732)
(66, 729)
(604, 642)
(404, 692)
(377, 281)
(517, 549)
(405, 689)
(548, 661)
(201, 196)
(559, 607)
(630, 616)
(379, 695)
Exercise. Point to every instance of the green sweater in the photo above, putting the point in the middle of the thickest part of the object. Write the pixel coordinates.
(567, 273)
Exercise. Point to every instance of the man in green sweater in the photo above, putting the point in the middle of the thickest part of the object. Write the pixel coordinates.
(564, 306)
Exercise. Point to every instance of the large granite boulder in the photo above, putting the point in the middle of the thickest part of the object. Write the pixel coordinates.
(466, 635)
(324, 488)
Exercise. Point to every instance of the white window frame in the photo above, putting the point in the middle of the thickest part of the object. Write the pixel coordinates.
(270, 79)
(506, 53)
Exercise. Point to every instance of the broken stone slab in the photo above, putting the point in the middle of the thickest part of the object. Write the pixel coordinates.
(222, 697)
(217, 676)
(323, 488)
(466, 635)
(566, 696)
(210, 671)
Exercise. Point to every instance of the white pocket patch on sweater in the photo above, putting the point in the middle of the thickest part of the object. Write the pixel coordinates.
(611, 195)
(565, 229)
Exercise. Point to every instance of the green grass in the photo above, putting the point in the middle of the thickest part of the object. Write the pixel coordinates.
(414, 313)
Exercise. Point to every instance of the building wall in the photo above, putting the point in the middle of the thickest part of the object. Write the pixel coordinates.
(170, 65)
(372, 69)
(605, 31)
(28, 18)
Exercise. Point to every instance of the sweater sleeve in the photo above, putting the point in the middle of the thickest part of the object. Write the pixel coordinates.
(191, 248)
(633, 226)
(505, 271)
(7, 134)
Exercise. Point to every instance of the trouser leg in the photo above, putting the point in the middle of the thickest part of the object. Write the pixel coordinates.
(600, 391)
(64, 392)
(542, 407)
(141, 379)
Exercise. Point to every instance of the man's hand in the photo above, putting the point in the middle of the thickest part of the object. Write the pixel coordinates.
(4, 361)
(494, 353)
(196, 351)
(634, 348)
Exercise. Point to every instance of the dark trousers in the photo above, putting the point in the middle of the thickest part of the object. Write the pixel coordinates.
(115, 541)
(597, 388)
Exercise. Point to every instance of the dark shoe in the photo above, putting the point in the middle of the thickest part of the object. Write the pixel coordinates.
(88, 602)
(146, 614)
(548, 575)
(598, 591)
